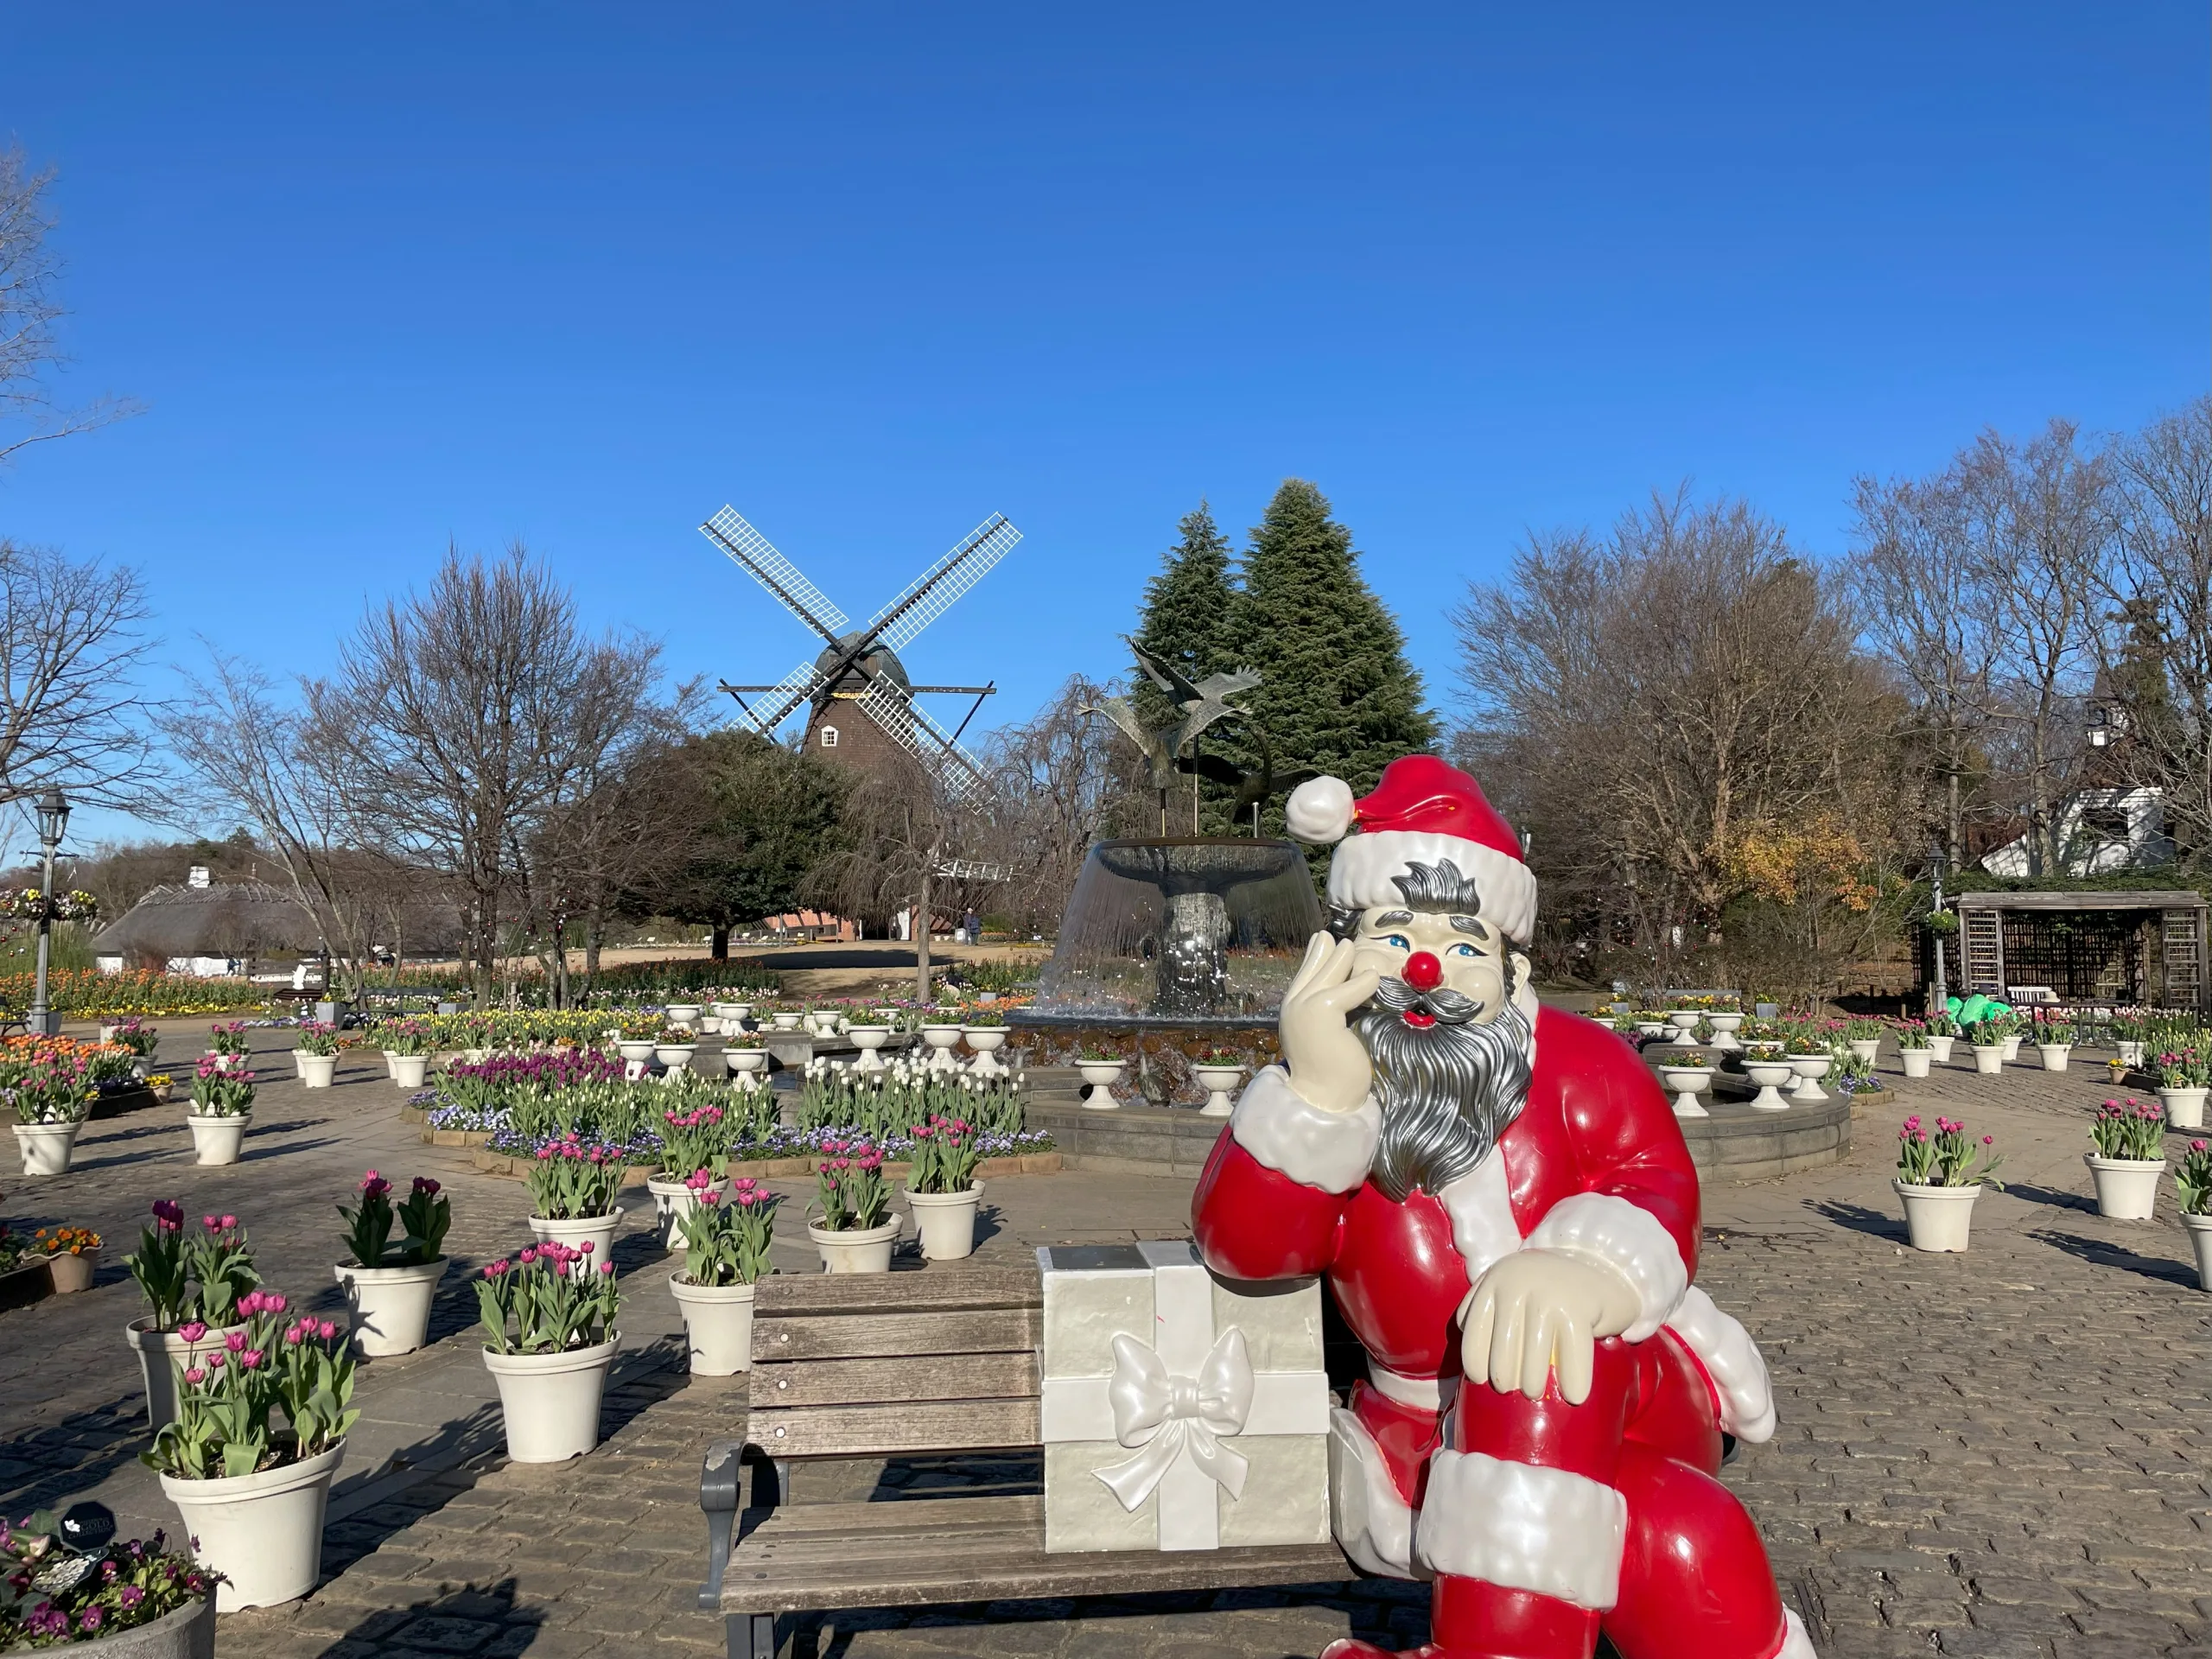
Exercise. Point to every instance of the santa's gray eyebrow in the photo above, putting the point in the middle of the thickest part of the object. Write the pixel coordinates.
(1394, 918)
(1469, 924)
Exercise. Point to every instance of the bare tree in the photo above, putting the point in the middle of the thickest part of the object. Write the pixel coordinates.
(71, 712)
(29, 307)
(464, 716)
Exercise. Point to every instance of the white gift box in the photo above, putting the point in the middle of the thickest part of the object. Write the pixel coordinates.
(1181, 1410)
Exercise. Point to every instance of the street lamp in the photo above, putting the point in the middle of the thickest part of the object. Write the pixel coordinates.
(53, 820)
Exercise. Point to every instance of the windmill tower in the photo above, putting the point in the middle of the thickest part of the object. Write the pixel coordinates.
(860, 703)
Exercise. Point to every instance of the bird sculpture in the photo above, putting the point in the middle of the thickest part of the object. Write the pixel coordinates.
(1202, 703)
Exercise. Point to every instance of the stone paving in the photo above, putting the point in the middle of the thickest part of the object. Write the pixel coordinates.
(2003, 1453)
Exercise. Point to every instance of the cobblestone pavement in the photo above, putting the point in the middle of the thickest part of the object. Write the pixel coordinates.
(2003, 1453)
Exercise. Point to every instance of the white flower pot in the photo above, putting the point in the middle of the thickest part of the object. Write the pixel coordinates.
(2200, 1241)
(549, 1402)
(1915, 1061)
(408, 1070)
(1684, 1021)
(2184, 1107)
(1868, 1049)
(785, 1022)
(718, 1321)
(1724, 1027)
(1810, 1069)
(390, 1307)
(869, 1039)
(855, 1249)
(2013, 1047)
(1099, 1077)
(228, 1062)
(941, 1040)
(1988, 1058)
(598, 1231)
(1218, 1081)
(1940, 1048)
(217, 1139)
(1685, 1081)
(742, 1060)
(1652, 1027)
(986, 1041)
(1770, 1075)
(636, 1053)
(946, 1222)
(676, 1056)
(731, 1013)
(47, 1148)
(2127, 1188)
(672, 1202)
(157, 1352)
(263, 1532)
(2130, 1054)
(2053, 1055)
(685, 1015)
(1938, 1217)
(316, 1071)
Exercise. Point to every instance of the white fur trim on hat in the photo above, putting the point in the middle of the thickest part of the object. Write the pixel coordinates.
(1283, 1130)
(1361, 875)
(1732, 1363)
(1626, 1238)
(1523, 1527)
(1318, 811)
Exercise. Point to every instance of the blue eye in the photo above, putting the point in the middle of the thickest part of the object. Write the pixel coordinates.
(1464, 951)
(1398, 940)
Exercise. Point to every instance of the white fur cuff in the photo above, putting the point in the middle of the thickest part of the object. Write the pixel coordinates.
(1627, 1239)
(1279, 1126)
(1523, 1527)
(1731, 1360)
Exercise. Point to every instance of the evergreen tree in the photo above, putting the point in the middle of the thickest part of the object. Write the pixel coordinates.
(1185, 620)
(1337, 693)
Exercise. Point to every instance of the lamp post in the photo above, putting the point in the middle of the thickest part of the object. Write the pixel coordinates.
(1941, 990)
(53, 819)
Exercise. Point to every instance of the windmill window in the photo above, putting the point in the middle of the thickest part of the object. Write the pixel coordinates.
(829, 737)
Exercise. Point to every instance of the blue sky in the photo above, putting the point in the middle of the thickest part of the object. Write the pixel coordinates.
(386, 276)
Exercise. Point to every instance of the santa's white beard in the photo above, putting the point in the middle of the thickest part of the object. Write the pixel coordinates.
(1448, 1090)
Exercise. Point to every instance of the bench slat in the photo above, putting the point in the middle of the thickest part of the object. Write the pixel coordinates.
(890, 1335)
(886, 1431)
(934, 1288)
(875, 1381)
(892, 1515)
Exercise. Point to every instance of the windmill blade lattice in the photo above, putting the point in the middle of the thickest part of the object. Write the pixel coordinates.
(931, 595)
(755, 555)
(898, 715)
(781, 698)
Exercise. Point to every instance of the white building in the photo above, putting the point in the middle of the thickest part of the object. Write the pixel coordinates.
(2099, 831)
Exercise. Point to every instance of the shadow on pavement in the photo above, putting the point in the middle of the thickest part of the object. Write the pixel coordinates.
(1875, 1224)
(49, 1465)
(2099, 1253)
(2051, 1196)
(484, 1622)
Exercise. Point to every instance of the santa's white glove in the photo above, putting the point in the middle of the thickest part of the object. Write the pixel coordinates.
(1327, 1063)
(1537, 1311)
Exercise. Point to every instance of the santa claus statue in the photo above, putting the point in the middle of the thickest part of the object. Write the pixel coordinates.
(1508, 1218)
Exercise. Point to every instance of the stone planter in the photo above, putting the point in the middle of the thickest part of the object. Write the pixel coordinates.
(1218, 1081)
(946, 1222)
(1937, 1217)
(1099, 1077)
(732, 1014)
(187, 1633)
(597, 1231)
(263, 1532)
(685, 1015)
(1988, 1058)
(1770, 1076)
(390, 1307)
(1724, 1027)
(316, 1071)
(1684, 1082)
(1684, 1021)
(718, 1323)
(549, 1402)
(676, 1057)
(2184, 1107)
(2127, 1188)
(71, 1273)
(2053, 1055)
(742, 1060)
(1940, 1048)
(47, 1148)
(941, 1040)
(408, 1070)
(869, 1039)
(853, 1250)
(1915, 1061)
(986, 1041)
(786, 1020)
(1809, 1069)
(2200, 1241)
(217, 1139)
(672, 1202)
(1868, 1049)
(157, 1352)
(637, 1053)
(1652, 1027)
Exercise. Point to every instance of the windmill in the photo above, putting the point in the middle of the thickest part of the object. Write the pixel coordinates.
(861, 666)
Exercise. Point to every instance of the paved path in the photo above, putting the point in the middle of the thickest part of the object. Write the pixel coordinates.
(1998, 1453)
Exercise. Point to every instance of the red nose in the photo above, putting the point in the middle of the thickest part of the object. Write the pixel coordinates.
(1423, 971)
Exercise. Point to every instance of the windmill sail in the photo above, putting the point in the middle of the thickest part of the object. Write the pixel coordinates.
(904, 722)
(756, 555)
(931, 595)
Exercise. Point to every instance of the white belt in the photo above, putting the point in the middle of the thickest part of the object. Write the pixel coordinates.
(1426, 1393)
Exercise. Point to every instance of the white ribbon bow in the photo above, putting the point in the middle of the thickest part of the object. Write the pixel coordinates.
(1167, 1416)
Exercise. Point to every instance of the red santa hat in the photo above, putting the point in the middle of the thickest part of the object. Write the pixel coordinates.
(1423, 811)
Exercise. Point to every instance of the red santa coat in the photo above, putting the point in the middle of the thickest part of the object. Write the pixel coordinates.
(1594, 1165)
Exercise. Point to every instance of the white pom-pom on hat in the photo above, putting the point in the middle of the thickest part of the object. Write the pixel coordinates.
(1320, 811)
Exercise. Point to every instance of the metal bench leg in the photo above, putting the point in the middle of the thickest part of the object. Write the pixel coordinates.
(751, 1635)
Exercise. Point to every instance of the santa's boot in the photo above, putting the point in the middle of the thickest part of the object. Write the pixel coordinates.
(1469, 1619)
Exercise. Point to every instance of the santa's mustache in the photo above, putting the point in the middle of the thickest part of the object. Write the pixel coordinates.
(1444, 1005)
(1448, 1090)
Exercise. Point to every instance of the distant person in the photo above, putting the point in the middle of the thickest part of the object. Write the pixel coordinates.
(972, 925)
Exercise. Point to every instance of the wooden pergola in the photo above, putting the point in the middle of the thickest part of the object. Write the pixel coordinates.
(2147, 946)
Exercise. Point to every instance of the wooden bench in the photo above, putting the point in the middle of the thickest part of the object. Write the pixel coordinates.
(915, 1364)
